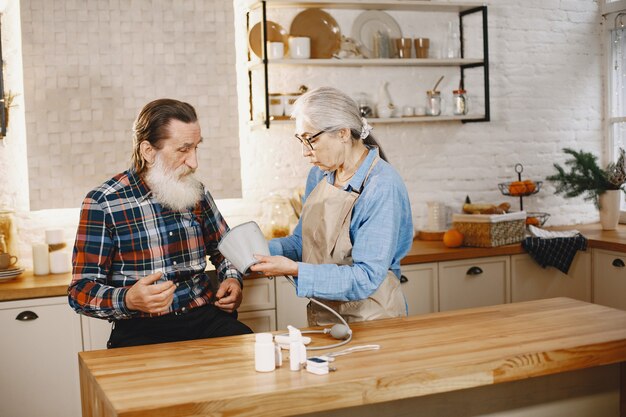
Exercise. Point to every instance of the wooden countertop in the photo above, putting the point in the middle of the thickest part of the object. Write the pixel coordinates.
(418, 356)
(428, 251)
(29, 286)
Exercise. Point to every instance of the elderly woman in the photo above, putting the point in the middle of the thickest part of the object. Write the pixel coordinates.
(356, 219)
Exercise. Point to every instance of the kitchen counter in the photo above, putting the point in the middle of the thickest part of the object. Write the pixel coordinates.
(428, 251)
(29, 286)
(419, 356)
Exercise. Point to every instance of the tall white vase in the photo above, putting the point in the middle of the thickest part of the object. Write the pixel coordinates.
(609, 209)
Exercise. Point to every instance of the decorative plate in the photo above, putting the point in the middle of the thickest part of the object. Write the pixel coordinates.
(10, 273)
(321, 28)
(367, 24)
(275, 33)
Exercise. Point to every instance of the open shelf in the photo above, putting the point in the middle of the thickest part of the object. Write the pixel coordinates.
(377, 62)
(388, 120)
(463, 63)
(422, 6)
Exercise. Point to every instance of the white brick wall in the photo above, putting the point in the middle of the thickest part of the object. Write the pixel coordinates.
(89, 66)
(546, 94)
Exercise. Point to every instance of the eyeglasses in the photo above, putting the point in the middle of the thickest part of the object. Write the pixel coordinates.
(306, 140)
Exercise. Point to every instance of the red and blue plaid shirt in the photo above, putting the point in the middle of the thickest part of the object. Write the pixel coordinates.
(124, 235)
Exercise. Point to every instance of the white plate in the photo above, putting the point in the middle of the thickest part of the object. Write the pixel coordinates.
(6, 274)
(370, 22)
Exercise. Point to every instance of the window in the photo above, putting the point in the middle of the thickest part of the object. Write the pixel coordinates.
(614, 13)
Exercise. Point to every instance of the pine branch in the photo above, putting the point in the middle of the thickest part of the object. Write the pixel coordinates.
(586, 178)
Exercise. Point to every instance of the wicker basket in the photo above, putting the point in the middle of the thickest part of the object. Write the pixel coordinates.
(486, 231)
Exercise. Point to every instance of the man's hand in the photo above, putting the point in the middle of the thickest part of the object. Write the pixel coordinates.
(229, 295)
(275, 265)
(148, 297)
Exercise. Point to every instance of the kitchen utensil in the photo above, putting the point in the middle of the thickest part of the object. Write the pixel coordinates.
(421, 47)
(404, 46)
(367, 24)
(300, 47)
(460, 102)
(275, 33)
(323, 30)
(10, 273)
(7, 260)
(275, 50)
(437, 83)
(433, 103)
(241, 243)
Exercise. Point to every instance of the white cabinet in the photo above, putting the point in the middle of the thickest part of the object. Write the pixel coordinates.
(96, 332)
(609, 278)
(290, 309)
(420, 288)
(258, 308)
(474, 283)
(259, 321)
(529, 281)
(39, 349)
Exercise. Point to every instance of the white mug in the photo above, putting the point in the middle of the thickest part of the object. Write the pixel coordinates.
(408, 111)
(300, 47)
(275, 50)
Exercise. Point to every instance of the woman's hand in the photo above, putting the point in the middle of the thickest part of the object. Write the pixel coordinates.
(275, 265)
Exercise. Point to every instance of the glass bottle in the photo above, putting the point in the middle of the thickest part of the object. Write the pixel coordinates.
(364, 107)
(277, 217)
(8, 229)
(452, 42)
(460, 102)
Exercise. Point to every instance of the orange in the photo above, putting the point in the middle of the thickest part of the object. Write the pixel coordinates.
(530, 186)
(532, 220)
(452, 238)
(517, 188)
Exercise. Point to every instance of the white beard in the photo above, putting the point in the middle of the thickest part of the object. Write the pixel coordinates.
(177, 190)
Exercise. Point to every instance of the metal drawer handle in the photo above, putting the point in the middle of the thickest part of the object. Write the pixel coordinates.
(475, 270)
(403, 279)
(618, 263)
(26, 316)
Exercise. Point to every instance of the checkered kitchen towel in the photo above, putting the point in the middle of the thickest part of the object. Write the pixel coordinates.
(555, 249)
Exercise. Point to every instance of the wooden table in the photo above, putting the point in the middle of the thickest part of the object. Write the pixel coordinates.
(419, 356)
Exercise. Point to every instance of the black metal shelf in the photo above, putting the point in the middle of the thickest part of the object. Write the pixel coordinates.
(463, 63)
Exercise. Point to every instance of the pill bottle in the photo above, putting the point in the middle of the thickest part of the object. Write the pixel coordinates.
(264, 352)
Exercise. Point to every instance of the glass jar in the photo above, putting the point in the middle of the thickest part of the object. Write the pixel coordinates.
(433, 103)
(277, 217)
(460, 102)
(364, 106)
(8, 232)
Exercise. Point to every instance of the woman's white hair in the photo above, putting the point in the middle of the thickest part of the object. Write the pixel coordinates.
(330, 109)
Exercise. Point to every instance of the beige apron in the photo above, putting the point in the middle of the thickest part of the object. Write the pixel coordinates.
(326, 217)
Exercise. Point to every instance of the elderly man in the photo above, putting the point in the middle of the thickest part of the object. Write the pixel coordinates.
(143, 237)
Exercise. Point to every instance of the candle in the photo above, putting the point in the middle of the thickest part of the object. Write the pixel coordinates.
(54, 236)
(41, 265)
(60, 262)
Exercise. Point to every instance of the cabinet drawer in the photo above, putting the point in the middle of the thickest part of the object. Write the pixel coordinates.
(258, 294)
(290, 309)
(529, 281)
(609, 278)
(474, 283)
(420, 288)
(39, 348)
